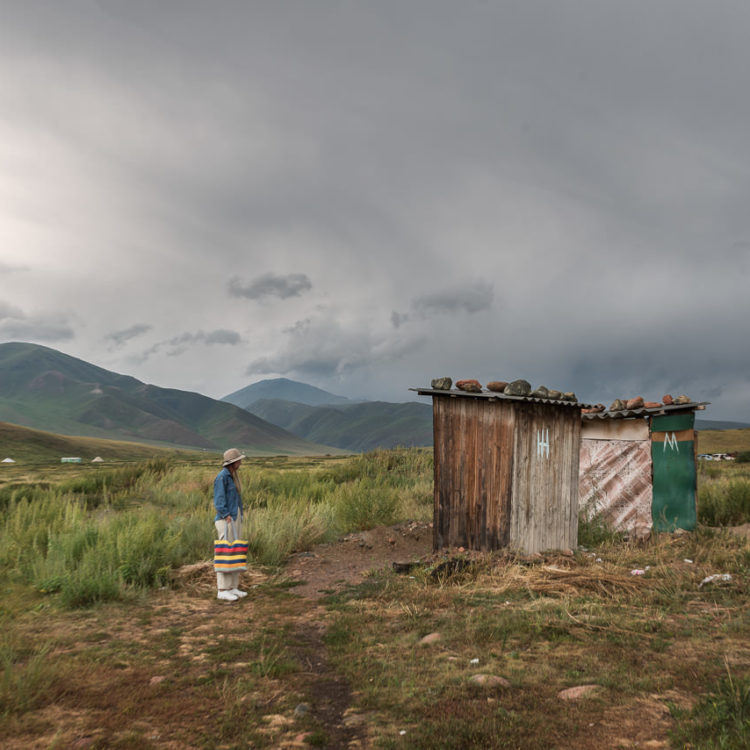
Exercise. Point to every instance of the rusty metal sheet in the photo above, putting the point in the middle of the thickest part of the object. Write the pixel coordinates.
(615, 429)
(494, 396)
(615, 481)
(643, 411)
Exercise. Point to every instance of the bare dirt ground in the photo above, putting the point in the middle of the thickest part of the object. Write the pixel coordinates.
(330, 566)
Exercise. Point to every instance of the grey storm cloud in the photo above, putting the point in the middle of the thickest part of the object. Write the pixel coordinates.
(470, 299)
(270, 285)
(15, 324)
(398, 319)
(10, 311)
(221, 336)
(321, 346)
(499, 154)
(8, 268)
(179, 344)
(467, 298)
(36, 329)
(120, 338)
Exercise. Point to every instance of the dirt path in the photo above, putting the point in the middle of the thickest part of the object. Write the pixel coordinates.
(333, 695)
(329, 568)
(326, 569)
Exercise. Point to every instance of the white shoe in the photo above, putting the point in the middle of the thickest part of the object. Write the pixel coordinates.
(239, 594)
(227, 596)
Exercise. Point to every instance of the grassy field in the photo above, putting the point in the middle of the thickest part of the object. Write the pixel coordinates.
(34, 449)
(723, 441)
(112, 638)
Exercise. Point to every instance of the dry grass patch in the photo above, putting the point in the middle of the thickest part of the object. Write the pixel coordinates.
(545, 624)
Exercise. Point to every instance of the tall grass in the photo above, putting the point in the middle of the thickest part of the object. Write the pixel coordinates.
(276, 531)
(104, 535)
(720, 720)
(95, 485)
(28, 677)
(99, 536)
(724, 502)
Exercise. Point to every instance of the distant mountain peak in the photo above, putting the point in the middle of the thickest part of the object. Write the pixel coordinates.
(286, 390)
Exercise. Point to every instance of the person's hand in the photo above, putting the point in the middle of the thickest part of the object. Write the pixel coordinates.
(228, 519)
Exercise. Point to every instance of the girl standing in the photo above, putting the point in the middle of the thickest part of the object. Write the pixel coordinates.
(228, 521)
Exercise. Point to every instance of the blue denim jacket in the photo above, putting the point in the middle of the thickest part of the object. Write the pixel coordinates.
(227, 500)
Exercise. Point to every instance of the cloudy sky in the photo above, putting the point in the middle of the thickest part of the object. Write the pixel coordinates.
(367, 195)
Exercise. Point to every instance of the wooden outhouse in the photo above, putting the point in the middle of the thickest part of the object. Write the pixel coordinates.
(506, 471)
(637, 468)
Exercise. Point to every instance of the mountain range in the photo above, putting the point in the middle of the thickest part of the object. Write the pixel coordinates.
(320, 416)
(323, 417)
(48, 390)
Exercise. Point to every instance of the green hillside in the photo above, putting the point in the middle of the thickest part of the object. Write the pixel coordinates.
(357, 427)
(717, 424)
(48, 390)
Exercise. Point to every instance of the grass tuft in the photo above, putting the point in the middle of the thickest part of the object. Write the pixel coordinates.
(28, 678)
(720, 720)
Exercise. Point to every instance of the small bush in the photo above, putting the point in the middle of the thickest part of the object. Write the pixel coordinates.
(706, 471)
(594, 531)
(362, 505)
(87, 586)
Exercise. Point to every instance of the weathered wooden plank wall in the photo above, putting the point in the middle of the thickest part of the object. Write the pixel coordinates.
(473, 484)
(545, 491)
(506, 474)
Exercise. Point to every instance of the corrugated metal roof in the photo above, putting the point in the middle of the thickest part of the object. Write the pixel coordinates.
(492, 396)
(643, 412)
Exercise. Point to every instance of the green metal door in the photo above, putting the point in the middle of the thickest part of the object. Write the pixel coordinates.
(673, 457)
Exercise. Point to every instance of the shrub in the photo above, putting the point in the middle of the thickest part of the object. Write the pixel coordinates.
(594, 531)
(363, 504)
(96, 486)
(88, 585)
